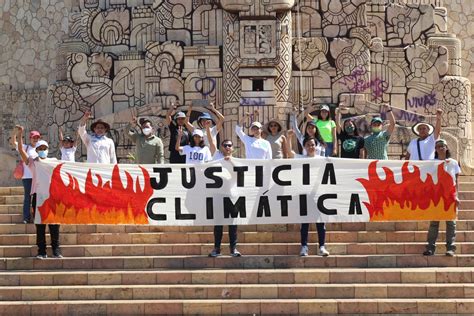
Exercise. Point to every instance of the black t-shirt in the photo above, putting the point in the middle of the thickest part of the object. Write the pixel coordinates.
(350, 145)
(175, 157)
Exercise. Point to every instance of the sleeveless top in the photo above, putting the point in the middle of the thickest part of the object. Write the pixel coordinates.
(276, 143)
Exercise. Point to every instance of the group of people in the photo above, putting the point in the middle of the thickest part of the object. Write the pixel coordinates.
(191, 144)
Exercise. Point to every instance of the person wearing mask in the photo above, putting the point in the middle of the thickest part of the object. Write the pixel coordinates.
(175, 122)
(205, 120)
(68, 147)
(225, 152)
(376, 144)
(255, 146)
(148, 146)
(26, 179)
(352, 145)
(313, 149)
(452, 167)
(423, 147)
(42, 155)
(276, 138)
(100, 148)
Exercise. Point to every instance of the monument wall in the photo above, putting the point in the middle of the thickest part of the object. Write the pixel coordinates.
(61, 58)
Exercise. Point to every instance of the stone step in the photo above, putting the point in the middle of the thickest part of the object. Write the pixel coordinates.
(19, 228)
(11, 209)
(11, 191)
(235, 291)
(227, 262)
(244, 237)
(245, 248)
(466, 186)
(466, 195)
(240, 306)
(428, 275)
(11, 199)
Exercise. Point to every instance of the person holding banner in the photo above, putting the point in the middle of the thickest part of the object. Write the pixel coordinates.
(423, 147)
(100, 148)
(197, 152)
(352, 145)
(42, 154)
(310, 130)
(225, 152)
(149, 147)
(376, 144)
(255, 146)
(26, 178)
(451, 166)
(313, 149)
(174, 125)
(204, 120)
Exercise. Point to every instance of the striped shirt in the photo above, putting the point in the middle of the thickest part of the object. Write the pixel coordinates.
(376, 145)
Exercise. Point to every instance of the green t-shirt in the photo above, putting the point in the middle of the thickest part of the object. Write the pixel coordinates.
(376, 145)
(325, 129)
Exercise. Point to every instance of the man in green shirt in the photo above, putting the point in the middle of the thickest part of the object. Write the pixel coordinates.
(149, 148)
(376, 144)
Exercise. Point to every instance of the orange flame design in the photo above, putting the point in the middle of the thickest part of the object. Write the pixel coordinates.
(105, 203)
(412, 199)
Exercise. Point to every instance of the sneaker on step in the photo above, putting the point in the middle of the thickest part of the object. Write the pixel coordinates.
(323, 251)
(450, 253)
(216, 252)
(235, 253)
(428, 252)
(41, 257)
(304, 251)
(57, 254)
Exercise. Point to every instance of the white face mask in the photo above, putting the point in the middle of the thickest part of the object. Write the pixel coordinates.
(147, 131)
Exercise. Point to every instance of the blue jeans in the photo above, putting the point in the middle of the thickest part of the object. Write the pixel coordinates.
(321, 227)
(329, 149)
(27, 199)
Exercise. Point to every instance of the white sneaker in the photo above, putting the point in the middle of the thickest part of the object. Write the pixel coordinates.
(304, 251)
(323, 252)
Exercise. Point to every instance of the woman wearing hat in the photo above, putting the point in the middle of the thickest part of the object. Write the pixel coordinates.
(205, 120)
(255, 146)
(197, 152)
(276, 139)
(310, 130)
(42, 155)
(175, 121)
(327, 128)
(27, 177)
(452, 167)
(376, 144)
(100, 148)
(423, 147)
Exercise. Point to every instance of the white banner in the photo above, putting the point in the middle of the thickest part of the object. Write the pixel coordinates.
(244, 192)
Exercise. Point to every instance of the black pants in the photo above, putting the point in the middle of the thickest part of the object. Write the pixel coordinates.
(232, 236)
(321, 227)
(41, 233)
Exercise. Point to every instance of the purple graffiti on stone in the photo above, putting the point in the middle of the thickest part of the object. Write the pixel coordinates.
(428, 100)
(356, 83)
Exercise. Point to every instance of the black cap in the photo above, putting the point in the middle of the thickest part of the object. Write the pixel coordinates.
(68, 139)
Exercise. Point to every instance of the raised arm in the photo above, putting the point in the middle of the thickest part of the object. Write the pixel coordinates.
(391, 119)
(212, 144)
(82, 128)
(338, 119)
(437, 130)
(288, 143)
(177, 146)
(335, 142)
(13, 140)
(187, 123)
(238, 127)
(21, 150)
(294, 126)
(132, 132)
(170, 113)
(220, 117)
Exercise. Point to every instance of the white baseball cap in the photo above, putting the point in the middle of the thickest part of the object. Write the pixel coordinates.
(198, 132)
(256, 124)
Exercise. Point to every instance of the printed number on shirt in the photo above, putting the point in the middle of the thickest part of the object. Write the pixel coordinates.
(196, 156)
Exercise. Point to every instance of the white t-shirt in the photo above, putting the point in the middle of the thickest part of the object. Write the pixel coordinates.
(452, 167)
(213, 135)
(319, 153)
(68, 154)
(196, 154)
(255, 148)
(31, 152)
(99, 149)
(427, 148)
(218, 155)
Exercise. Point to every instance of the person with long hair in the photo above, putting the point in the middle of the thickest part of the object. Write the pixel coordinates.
(352, 145)
(327, 128)
(176, 121)
(197, 152)
(310, 130)
(26, 179)
(452, 167)
(313, 149)
(276, 138)
(255, 146)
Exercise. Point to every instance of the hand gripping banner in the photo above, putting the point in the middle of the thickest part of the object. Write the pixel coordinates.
(244, 192)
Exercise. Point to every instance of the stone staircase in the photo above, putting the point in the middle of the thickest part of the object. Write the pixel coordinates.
(373, 268)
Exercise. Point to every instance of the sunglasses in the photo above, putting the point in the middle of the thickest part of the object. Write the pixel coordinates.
(227, 145)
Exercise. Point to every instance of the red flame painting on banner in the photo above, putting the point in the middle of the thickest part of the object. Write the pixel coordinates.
(412, 198)
(105, 203)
